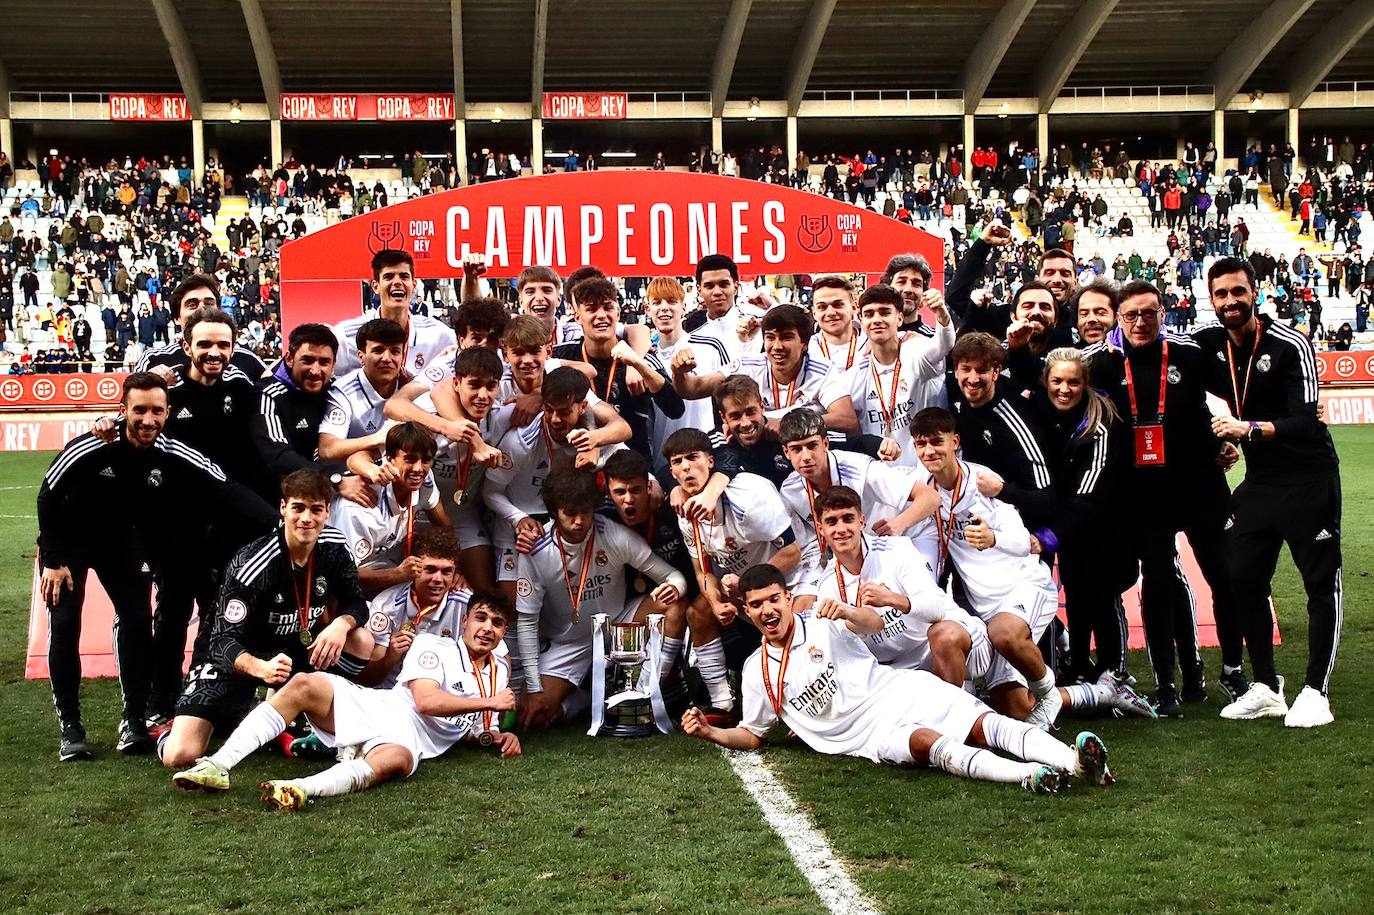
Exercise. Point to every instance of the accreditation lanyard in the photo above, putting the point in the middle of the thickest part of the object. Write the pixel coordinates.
(944, 527)
(853, 344)
(1163, 383)
(481, 689)
(777, 698)
(575, 594)
(1241, 393)
(610, 380)
(888, 407)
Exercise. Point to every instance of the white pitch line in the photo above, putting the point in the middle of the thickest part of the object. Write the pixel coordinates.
(808, 846)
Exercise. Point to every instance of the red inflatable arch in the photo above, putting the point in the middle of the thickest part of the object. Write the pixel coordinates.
(640, 223)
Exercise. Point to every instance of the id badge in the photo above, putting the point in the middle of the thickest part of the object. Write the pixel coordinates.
(1149, 445)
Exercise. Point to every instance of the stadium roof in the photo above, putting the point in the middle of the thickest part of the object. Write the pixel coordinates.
(1013, 47)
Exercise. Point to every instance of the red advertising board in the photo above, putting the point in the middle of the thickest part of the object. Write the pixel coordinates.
(393, 106)
(584, 106)
(628, 223)
(59, 392)
(148, 107)
(1354, 368)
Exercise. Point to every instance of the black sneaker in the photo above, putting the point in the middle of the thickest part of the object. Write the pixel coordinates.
(1195, 686)
(73, 746)
(133, 738)
(1234, 684)
(1167, 704)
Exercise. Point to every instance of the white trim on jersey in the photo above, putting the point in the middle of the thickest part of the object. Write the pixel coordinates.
(1029, 446)
(189, 455)
(67, 458)
(1307, 359)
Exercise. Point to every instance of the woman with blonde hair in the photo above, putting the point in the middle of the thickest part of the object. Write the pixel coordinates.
(1089, 457)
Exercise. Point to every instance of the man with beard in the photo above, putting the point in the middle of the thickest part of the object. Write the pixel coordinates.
(424, 338)
(1267, 374)
(1035, 316)
(1094, 307)
(139, 479)
(910, 275)
(197, 291)
(1158, 381)
(1056, 270)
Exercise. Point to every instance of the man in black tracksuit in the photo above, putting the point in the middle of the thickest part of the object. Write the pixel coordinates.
(294, 398)
(1175, 484)
(134, 483)
(1267, 374)
(197, 291)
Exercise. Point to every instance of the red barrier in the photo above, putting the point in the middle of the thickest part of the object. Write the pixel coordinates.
(635, 223)
(60, 392)
(1353, 368)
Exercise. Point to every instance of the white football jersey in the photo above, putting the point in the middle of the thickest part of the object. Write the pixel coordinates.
(817, 384)
(354, 408)
(921, 360)
(696, 414)
(377, 536)
(396, 606)
(515, 489)
(843, 357)
(542, 598)
(991, 577)
(447, 662)
(724, 330)
(429, 339)
(894, 563)
(747, 528)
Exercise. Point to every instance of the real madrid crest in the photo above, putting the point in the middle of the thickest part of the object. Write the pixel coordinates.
(1263, 363)
(419, 360)
(320, 586)
(601, 559)
(228, 404)
(815, 654)
(1175, 376)
(155, 477)
(987, 436)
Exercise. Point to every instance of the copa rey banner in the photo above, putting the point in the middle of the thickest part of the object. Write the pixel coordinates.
(624, 222)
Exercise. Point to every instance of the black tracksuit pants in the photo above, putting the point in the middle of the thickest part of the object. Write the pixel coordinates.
(1092, 602)
(1307, 517)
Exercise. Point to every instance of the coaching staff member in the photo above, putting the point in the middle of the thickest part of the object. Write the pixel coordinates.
(1267, 374)
(103, 507)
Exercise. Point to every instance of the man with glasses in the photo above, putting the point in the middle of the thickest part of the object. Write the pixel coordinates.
(1157, 380)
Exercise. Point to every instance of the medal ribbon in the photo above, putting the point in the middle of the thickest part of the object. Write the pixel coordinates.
(839, 575)
(303, 603)
(777, 699)
(576, 596)
(945, 529)
(424, 611)
(888, 409)
(791, 391)
(849, 360)
(1163, 382)
(701, 548)
(1242, 393)
(610, 381)
(481, 690)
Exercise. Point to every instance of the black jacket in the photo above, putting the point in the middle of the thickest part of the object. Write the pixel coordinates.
(286, 429)
(1003, 436)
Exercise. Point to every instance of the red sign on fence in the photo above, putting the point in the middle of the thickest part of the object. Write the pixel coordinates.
(396, 106)
(149, 107)
(1353, 368)
(59, 392)
(584, 106)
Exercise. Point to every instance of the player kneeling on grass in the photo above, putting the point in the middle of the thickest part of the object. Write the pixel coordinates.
(448, 691)
(815, 674)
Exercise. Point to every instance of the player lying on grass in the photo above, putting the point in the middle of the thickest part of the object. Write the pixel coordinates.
(448, 691)
(923, 629)
(815, 674)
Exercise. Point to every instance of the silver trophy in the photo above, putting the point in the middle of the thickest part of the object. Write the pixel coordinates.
(625, 694)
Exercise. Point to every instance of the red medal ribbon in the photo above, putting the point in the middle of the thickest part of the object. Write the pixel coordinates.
(777, 700)
(576, 596)
(944, 529)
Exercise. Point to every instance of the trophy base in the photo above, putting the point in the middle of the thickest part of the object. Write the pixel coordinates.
(629, 718)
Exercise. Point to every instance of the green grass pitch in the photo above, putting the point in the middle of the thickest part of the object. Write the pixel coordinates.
(1207, 816)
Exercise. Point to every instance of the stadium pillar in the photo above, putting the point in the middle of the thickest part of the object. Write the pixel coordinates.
(198, 149)
(277, 158)
(460, 149)
(1042, 135)
(717, 135)
(1292, 130)
(1219, 137)
(7, 138)
(968, 148)
(537, 146)
(792, 144)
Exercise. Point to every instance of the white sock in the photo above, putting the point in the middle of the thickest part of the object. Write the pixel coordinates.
(1044, 686)
(1228, 669)
(257, 728)
(342, 778)
(575, 703)
(971, 762)
(672, 650)
(711, 664)
(1086, 696)
(1026, 741)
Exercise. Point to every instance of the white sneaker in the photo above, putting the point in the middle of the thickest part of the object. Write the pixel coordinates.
(1046, 710)
(1310, 710)
(1259, 701)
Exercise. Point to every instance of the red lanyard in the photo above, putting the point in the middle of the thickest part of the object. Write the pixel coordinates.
(839, 575)
(1242, 393)
(576, 596)
(944, 529)
(815, 521)
(410, 520)
(849, 360)
(888, 409)
(782, 670)
(610, 381)
(481, 691)
(1163, 382)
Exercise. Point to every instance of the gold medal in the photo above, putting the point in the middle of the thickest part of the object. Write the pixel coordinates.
(408, 628)
(458, 498)
(640, 584)
(306, 638)
(486, 739)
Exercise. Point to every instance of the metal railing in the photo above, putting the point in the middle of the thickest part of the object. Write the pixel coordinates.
(1351, 88)
(669, 104)
(1163, 98)
(877, 102)
(58, 105)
